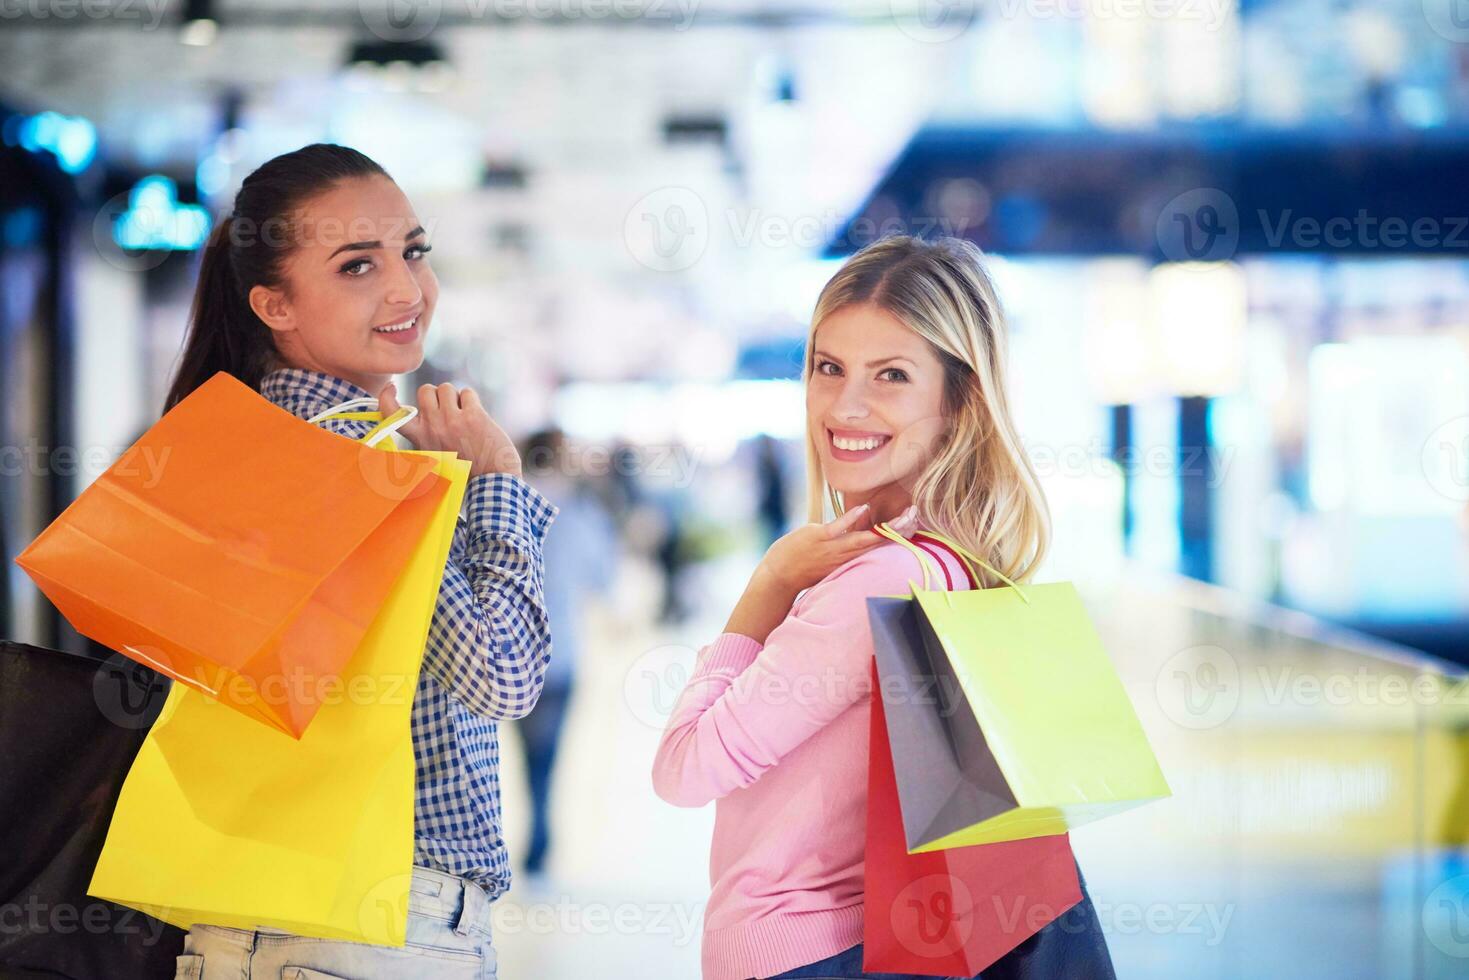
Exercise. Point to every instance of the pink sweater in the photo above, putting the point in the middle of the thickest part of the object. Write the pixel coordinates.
(778, 736)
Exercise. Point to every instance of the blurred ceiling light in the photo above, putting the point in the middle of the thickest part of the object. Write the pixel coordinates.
(156, 220)
(712, 416)
(504, 175)
(212, 175)
(1376, 41)
(689, 129)
(398, 66)
(198, 26)
(785, 87)
(1387, 428)
(1118, 353)
(961, 205)
(397, 76)
(1115, 62)
(1198, 314)
(71, 139)
(436, 76)
(1201, 65)
(231, 144)
(775, 80)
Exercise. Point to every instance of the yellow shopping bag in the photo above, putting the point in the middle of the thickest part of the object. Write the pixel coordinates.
(1005, 717)
(225, 821)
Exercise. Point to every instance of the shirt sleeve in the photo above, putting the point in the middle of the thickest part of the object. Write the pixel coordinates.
(747, 706)
(489, 642)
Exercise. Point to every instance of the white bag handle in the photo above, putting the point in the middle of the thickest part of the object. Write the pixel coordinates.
(403, 416)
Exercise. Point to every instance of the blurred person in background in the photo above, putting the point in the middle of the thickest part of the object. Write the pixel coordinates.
(672, 552)
(908, 423)
(580, 554)
(771, 480)
(317, 290)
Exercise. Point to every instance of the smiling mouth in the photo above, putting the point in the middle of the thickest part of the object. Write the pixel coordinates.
(399, 327)
(851, 446)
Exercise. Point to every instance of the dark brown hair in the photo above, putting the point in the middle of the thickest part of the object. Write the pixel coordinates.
(249, 248)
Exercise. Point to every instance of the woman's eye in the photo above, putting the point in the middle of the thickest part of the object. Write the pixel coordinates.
(828, 368)
(421, 251)
(356, 267)
(895, 374)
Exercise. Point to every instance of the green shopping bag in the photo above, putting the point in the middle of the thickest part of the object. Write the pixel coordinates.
(1036, 736)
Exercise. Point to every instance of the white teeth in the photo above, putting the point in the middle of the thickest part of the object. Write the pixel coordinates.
(857, 445)
(398, 328)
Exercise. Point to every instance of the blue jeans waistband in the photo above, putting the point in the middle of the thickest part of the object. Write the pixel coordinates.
(461, 902)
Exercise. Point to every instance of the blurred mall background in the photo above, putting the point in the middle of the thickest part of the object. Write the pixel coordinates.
(1233, 240)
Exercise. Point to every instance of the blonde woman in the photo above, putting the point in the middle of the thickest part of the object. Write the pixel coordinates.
(908, 423)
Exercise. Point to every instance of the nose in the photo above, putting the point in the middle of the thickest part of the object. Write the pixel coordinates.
(403, 287)
(851, 401)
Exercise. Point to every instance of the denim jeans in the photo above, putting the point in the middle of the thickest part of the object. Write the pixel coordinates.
(1071, 947)
(540, 736)
(448, 938)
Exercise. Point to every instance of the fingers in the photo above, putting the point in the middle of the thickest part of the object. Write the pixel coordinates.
(428, 400)
(387, 405)
(855, 544)
(448, 399)
(847, 522)
(387, 400)
(906, 523)
(431, 412)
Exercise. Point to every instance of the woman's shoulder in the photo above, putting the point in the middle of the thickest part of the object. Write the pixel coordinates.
(888, 569)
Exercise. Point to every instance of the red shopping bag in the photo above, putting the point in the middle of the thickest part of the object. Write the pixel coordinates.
(953, 912)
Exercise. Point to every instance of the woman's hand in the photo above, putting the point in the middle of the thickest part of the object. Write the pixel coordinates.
(453, 420)
(798, 561)
(810, 553)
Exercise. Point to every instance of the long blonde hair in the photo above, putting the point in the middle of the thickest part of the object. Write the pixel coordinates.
(979, 488)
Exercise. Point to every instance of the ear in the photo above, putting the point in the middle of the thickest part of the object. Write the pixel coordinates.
(272, 307)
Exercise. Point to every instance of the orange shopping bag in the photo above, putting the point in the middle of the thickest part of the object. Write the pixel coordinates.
(238, 549)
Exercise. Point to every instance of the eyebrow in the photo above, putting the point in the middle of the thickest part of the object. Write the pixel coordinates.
(366, 246)
(871, 364)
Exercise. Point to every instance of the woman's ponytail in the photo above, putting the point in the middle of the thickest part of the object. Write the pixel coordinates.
(224, 332)
(248, 249)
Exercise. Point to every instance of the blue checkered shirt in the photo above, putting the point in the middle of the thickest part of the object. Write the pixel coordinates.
(486, 656)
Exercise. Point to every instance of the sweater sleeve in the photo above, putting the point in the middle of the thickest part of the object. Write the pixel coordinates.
(747, 706)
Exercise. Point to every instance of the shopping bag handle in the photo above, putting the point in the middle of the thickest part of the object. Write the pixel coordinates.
(923, 557)
(965, 554)
(385, 426)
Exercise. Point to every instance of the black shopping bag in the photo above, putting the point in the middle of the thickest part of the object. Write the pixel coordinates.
(69, 729)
